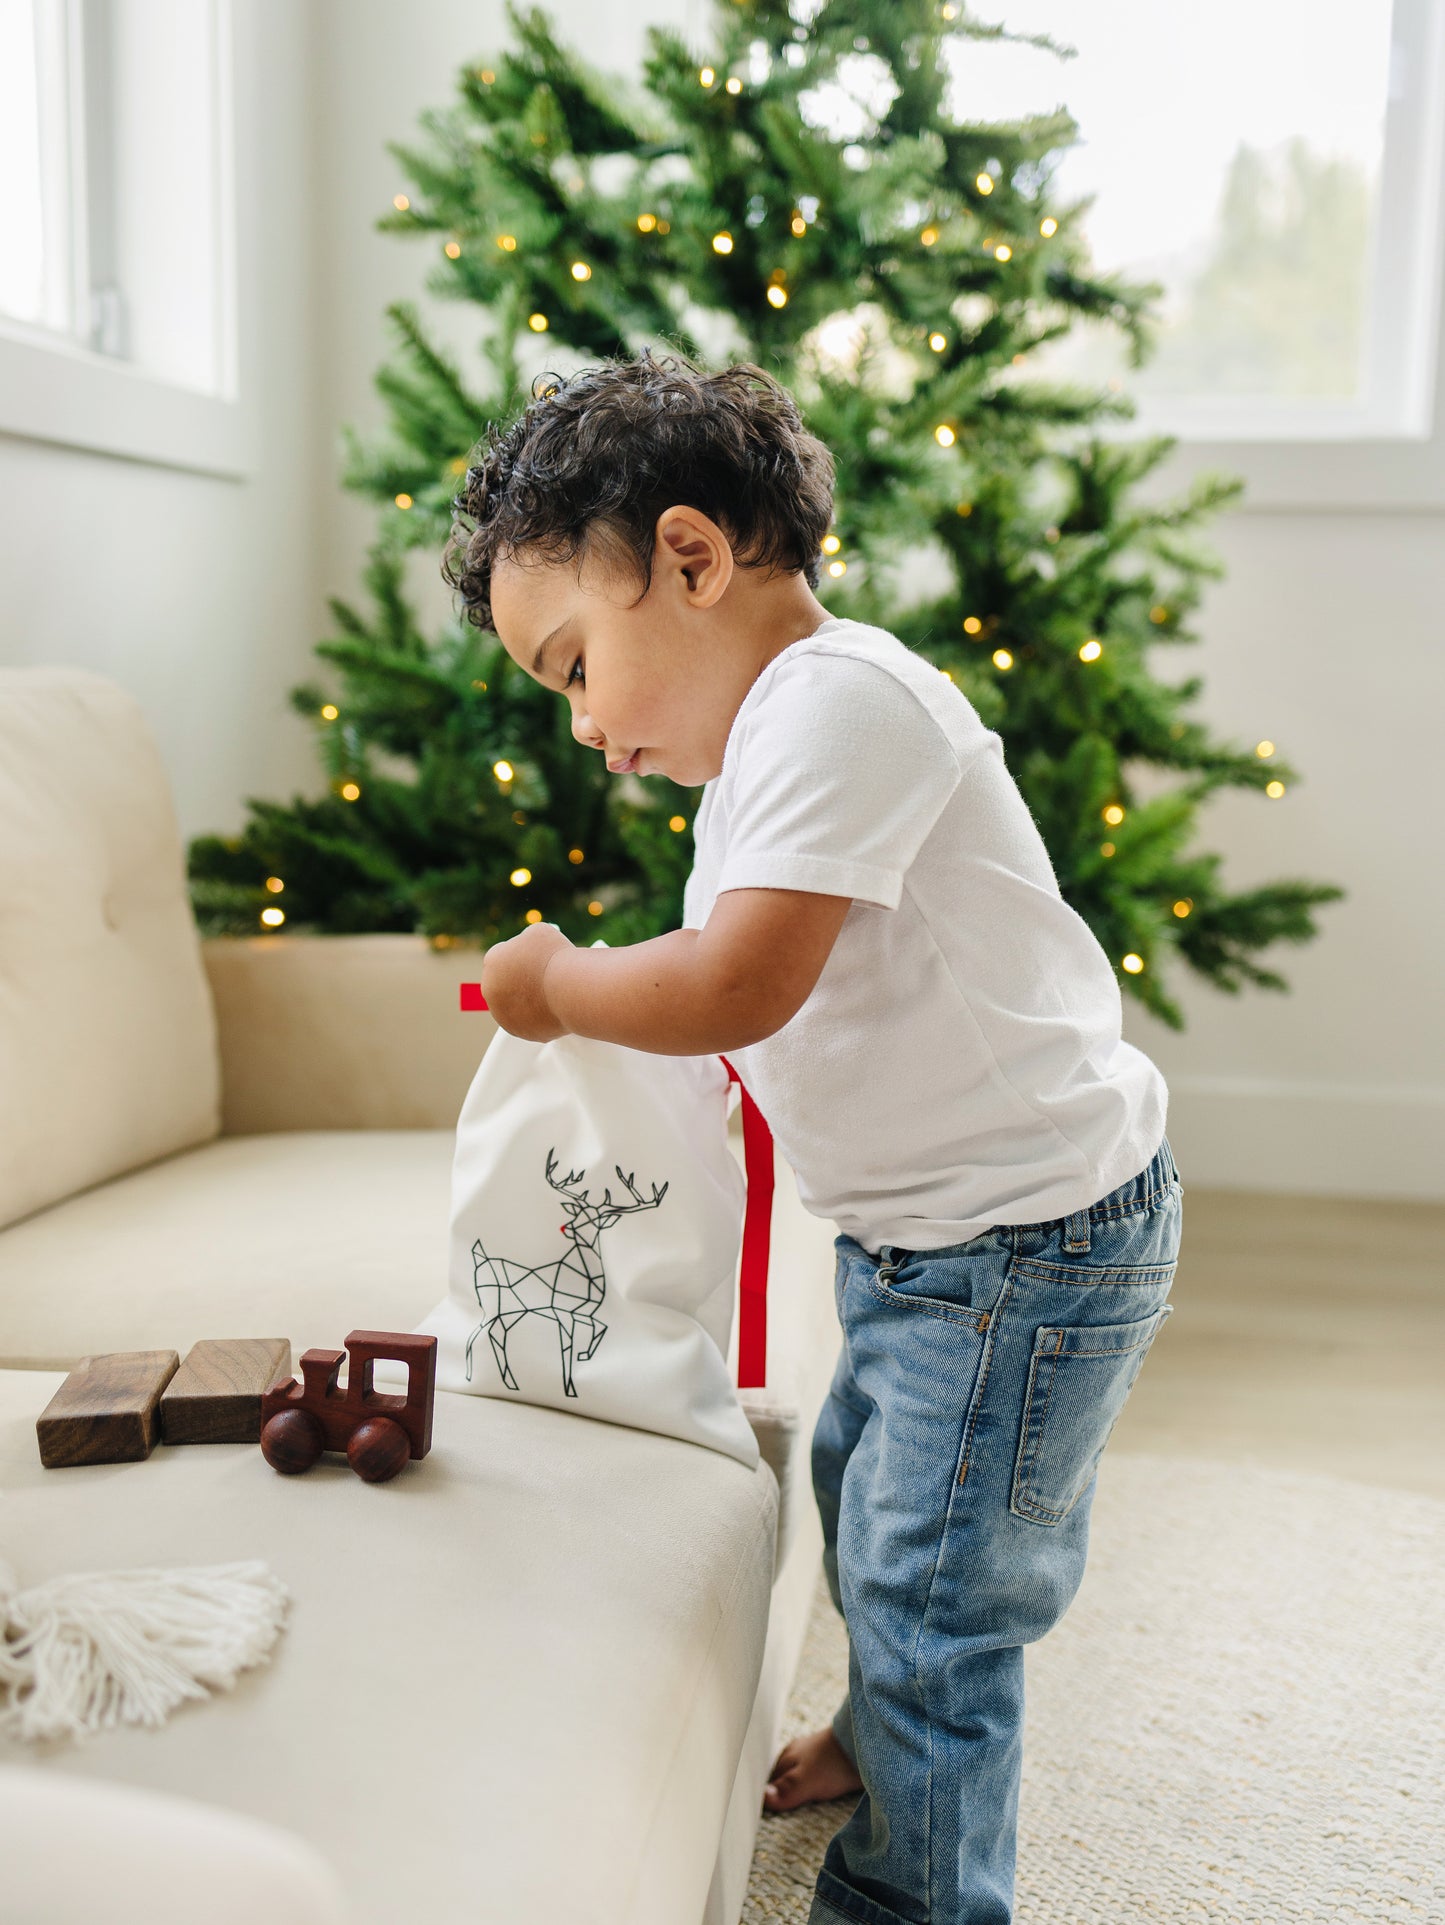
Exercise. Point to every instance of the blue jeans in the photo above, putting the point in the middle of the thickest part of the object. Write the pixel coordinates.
(954, 1467)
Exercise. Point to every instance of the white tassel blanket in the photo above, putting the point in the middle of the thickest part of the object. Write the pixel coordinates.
(87, 1652)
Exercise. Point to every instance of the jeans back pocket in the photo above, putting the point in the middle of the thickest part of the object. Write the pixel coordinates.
(1078, 1381)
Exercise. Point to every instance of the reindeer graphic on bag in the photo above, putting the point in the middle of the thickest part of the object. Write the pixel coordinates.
(569, 1291)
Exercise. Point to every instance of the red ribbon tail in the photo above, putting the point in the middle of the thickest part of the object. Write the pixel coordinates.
(757, 1242)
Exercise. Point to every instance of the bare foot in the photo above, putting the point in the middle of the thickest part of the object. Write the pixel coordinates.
(809, 1770)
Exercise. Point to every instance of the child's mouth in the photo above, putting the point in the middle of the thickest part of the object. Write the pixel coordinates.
(629, 767)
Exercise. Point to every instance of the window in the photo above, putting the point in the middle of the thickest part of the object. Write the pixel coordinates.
(1276, 171)
(117, 309)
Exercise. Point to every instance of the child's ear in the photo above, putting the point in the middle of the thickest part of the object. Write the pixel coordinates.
(693, 544)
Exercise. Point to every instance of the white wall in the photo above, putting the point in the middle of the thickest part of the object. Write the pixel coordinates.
(199, 594)
(1326, 638)
(205, 597)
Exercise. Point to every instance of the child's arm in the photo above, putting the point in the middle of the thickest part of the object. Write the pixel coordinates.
(694, 992)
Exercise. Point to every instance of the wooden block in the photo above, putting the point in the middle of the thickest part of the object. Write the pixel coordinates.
(107, 1411)
(215, 1396)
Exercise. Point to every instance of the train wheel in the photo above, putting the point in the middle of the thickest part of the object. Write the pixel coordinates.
(291, 1441)
(378, 1449)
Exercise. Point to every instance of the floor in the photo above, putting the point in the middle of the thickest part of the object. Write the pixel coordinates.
(1307, 1332)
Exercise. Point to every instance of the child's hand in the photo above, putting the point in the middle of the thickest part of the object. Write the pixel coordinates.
(512, 975)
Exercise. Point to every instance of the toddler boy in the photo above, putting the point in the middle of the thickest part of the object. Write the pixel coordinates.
(874, 935)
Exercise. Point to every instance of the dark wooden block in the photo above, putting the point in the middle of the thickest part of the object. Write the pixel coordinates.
(215, 1396)
(107, 1411)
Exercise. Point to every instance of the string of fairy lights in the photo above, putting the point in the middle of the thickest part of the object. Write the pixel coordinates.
(272, 917)
(804, 215)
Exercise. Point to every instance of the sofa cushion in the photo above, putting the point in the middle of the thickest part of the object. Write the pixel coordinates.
(107, 1035)
(515, 1681)
(305, 1235)
(343, 1032)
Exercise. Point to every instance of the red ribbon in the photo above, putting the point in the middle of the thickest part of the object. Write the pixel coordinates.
(757, 1241)
(757, 1225)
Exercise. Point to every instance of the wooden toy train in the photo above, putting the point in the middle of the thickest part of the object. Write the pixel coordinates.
(379, 1433)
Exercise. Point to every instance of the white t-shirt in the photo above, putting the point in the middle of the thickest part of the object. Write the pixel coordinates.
(959, 1062)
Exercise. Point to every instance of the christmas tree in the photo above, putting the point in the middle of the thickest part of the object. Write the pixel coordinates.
(896, 274)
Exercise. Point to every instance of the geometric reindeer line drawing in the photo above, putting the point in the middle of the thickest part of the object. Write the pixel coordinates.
(570, 1291)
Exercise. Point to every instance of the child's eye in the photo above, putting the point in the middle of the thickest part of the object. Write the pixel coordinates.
(576, 674)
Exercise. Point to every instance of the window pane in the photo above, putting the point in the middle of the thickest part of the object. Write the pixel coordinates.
(1235, 153)
(22, 207)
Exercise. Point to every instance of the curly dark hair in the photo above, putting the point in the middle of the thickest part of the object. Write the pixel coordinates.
(596, 457)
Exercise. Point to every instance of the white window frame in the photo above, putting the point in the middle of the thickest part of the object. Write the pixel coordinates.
(54, 388)
(1390, 452)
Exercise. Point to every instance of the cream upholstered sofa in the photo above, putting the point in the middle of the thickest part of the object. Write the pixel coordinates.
(538, 1678)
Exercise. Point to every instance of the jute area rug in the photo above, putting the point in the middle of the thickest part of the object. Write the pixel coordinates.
(1241, 1717)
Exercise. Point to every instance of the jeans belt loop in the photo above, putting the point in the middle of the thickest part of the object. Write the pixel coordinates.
(1076, 1231)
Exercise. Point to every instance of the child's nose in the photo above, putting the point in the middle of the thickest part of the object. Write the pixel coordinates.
(585, 731)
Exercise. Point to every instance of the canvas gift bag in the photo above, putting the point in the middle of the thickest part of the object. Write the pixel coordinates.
(596, 1220)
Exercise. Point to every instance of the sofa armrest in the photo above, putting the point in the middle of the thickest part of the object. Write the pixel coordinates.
(78, 1849)
(342, 1032)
